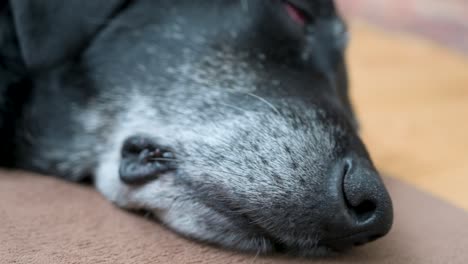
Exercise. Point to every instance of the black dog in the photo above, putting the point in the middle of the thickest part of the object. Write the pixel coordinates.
(228, 120)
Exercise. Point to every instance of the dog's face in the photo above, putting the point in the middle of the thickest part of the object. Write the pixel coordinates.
(230, 122)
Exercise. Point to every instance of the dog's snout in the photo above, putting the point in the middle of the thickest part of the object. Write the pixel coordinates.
(363, 210)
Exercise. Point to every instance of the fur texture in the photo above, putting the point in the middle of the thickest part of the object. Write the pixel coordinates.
(252, 105)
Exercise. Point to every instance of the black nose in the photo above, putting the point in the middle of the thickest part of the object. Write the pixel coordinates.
(364, 210)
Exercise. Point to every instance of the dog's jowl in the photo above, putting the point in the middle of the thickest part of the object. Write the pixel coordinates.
(228, 120)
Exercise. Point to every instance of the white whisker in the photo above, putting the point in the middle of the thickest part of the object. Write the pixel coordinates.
(265, 101)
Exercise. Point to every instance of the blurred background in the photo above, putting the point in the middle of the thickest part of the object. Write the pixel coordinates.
(445, 21)
(409, 74)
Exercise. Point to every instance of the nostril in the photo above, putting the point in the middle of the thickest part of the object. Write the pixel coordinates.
(363, 211)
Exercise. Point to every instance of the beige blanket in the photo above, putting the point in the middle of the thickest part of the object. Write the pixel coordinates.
(45, 220)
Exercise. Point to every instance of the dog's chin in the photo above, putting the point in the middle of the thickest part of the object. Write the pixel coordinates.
(181, 212)
(259, 245)
(209, 227)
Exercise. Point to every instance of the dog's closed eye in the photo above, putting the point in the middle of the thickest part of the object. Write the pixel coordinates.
(296, 14)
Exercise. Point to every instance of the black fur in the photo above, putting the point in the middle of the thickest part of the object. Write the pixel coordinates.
(228, 120)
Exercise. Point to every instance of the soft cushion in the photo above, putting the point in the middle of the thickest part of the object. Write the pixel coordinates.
(46, 220)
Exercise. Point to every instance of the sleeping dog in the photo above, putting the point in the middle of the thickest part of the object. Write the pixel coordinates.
(229, 121)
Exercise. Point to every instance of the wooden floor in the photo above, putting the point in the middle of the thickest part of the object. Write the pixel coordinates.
(412, 99)
(444, 21)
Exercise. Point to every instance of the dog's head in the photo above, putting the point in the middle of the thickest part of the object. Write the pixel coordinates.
(230, 122)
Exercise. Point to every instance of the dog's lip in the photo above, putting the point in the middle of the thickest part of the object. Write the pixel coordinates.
(246, 223)
(344, 242)
(279, 245)
(276, 243)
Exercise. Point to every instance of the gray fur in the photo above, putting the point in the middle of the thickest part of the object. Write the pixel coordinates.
(246, 161)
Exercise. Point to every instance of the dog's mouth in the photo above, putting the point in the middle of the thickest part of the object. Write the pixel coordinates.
(260, 239)
(306, 246)
(251, 239)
